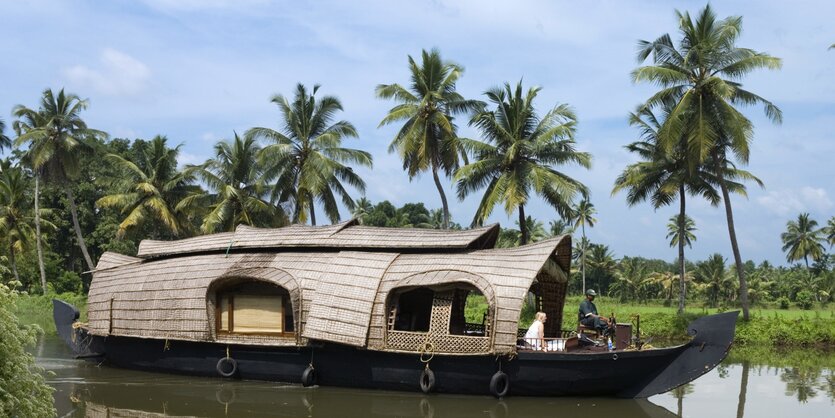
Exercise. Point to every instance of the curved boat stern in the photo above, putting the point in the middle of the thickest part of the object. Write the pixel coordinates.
(76, 338)
(712, 339)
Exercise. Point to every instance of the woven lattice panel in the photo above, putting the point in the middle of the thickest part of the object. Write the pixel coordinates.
(444, 344)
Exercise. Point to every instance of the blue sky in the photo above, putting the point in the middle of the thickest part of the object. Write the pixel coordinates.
(198, 70)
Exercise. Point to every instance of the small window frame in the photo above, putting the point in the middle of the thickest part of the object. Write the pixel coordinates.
(229, 293)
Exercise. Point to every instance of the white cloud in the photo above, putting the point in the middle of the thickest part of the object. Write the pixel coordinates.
(118, 75)
(788, 202)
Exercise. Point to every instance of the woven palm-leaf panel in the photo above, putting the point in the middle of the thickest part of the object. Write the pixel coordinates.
(341, 309)
(510, 272)
(346, 235)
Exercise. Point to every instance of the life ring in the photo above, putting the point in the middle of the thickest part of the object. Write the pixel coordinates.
(427, 380)
(499, 384)
(221, 366)
(309, 376)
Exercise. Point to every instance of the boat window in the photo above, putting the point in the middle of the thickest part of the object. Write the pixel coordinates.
(413, 310)
(469, 314)
(254, 308)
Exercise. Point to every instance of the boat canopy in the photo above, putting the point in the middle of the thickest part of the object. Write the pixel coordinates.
(347, 284)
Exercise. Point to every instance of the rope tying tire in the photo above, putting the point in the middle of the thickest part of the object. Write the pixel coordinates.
(309, 376)
(427, 380)
(220, 365)
(499, 384)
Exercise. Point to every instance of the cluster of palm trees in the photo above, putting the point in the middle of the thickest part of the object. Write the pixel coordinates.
(693, 137)
(804, 240)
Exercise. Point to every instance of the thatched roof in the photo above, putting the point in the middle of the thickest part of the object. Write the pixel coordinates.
(341, 295)
(346, 235)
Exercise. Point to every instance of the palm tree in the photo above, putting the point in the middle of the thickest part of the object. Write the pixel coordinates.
(520, 155)
(559, 227)
(701, 76)
(535, 228)
(632, 279)
(802, 240)
(362, 207)
(237, 196)
(711, 274)
(583, 214)
(306, 158)
(829, 230)
(678, 232)
(56, 134)
(663, 175)
(602, 264)
(428, 139)
(5, 142)
(151, 187)
(16, 216)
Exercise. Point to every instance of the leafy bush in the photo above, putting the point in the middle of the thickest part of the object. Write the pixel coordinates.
(23, 390)
(805, 299)
(783, 302)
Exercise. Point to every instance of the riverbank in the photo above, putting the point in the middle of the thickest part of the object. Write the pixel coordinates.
(767, 328)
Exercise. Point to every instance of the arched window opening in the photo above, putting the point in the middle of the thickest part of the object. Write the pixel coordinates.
(254, 308)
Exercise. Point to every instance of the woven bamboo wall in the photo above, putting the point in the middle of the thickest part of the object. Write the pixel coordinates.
(344, 297)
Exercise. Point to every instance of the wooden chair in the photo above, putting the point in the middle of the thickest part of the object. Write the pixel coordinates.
(588, 331)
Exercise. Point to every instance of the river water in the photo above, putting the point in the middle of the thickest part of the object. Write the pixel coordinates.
(747, 384)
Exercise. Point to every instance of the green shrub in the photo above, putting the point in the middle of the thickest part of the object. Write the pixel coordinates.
(783, 302)
(23, 389)
(805, 299)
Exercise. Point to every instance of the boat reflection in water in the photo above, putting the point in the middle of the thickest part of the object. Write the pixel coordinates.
(180, 397)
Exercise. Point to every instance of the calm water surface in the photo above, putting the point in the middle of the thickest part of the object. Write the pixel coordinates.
(746, 385)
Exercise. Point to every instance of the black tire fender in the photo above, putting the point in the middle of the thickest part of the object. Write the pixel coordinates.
(499, 384)
(427, 380)
(221, 367)
(309, 377)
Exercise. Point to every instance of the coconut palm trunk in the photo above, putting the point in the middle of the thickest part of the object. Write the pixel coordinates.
(77, 227)
(38, 232)
(743, 285)
(523, 230)
(583, 261)
(681, 285)
(312, 212)
(13, 262)
(443, 195)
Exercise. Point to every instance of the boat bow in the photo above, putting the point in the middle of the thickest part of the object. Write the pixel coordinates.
(712, 339)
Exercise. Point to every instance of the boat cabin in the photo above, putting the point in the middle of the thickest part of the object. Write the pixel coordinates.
(386, 289)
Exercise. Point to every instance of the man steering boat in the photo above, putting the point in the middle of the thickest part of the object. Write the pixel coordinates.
(589, 317)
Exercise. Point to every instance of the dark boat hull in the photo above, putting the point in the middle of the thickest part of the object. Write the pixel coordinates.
(627, 374)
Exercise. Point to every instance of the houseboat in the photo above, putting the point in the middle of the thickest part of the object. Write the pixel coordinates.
(365, 307)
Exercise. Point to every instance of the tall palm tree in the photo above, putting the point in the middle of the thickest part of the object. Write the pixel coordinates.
(428, 140)
(711, 274)
(520, 155)
(5, 142)
(16, 215)
(601, 262)
(663, 175)
(536, 230)
(679, 232)
(802, 240)
(236, 196)
(56, 134)
(701, 75)
(150, 188)
(306, 158)
(583, 214)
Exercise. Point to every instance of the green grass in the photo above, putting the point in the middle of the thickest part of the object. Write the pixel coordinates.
(767, 328)
(37, 309)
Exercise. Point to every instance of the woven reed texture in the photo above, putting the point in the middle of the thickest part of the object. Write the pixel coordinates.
(335, 296)
(344, 297)
(346, 235)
